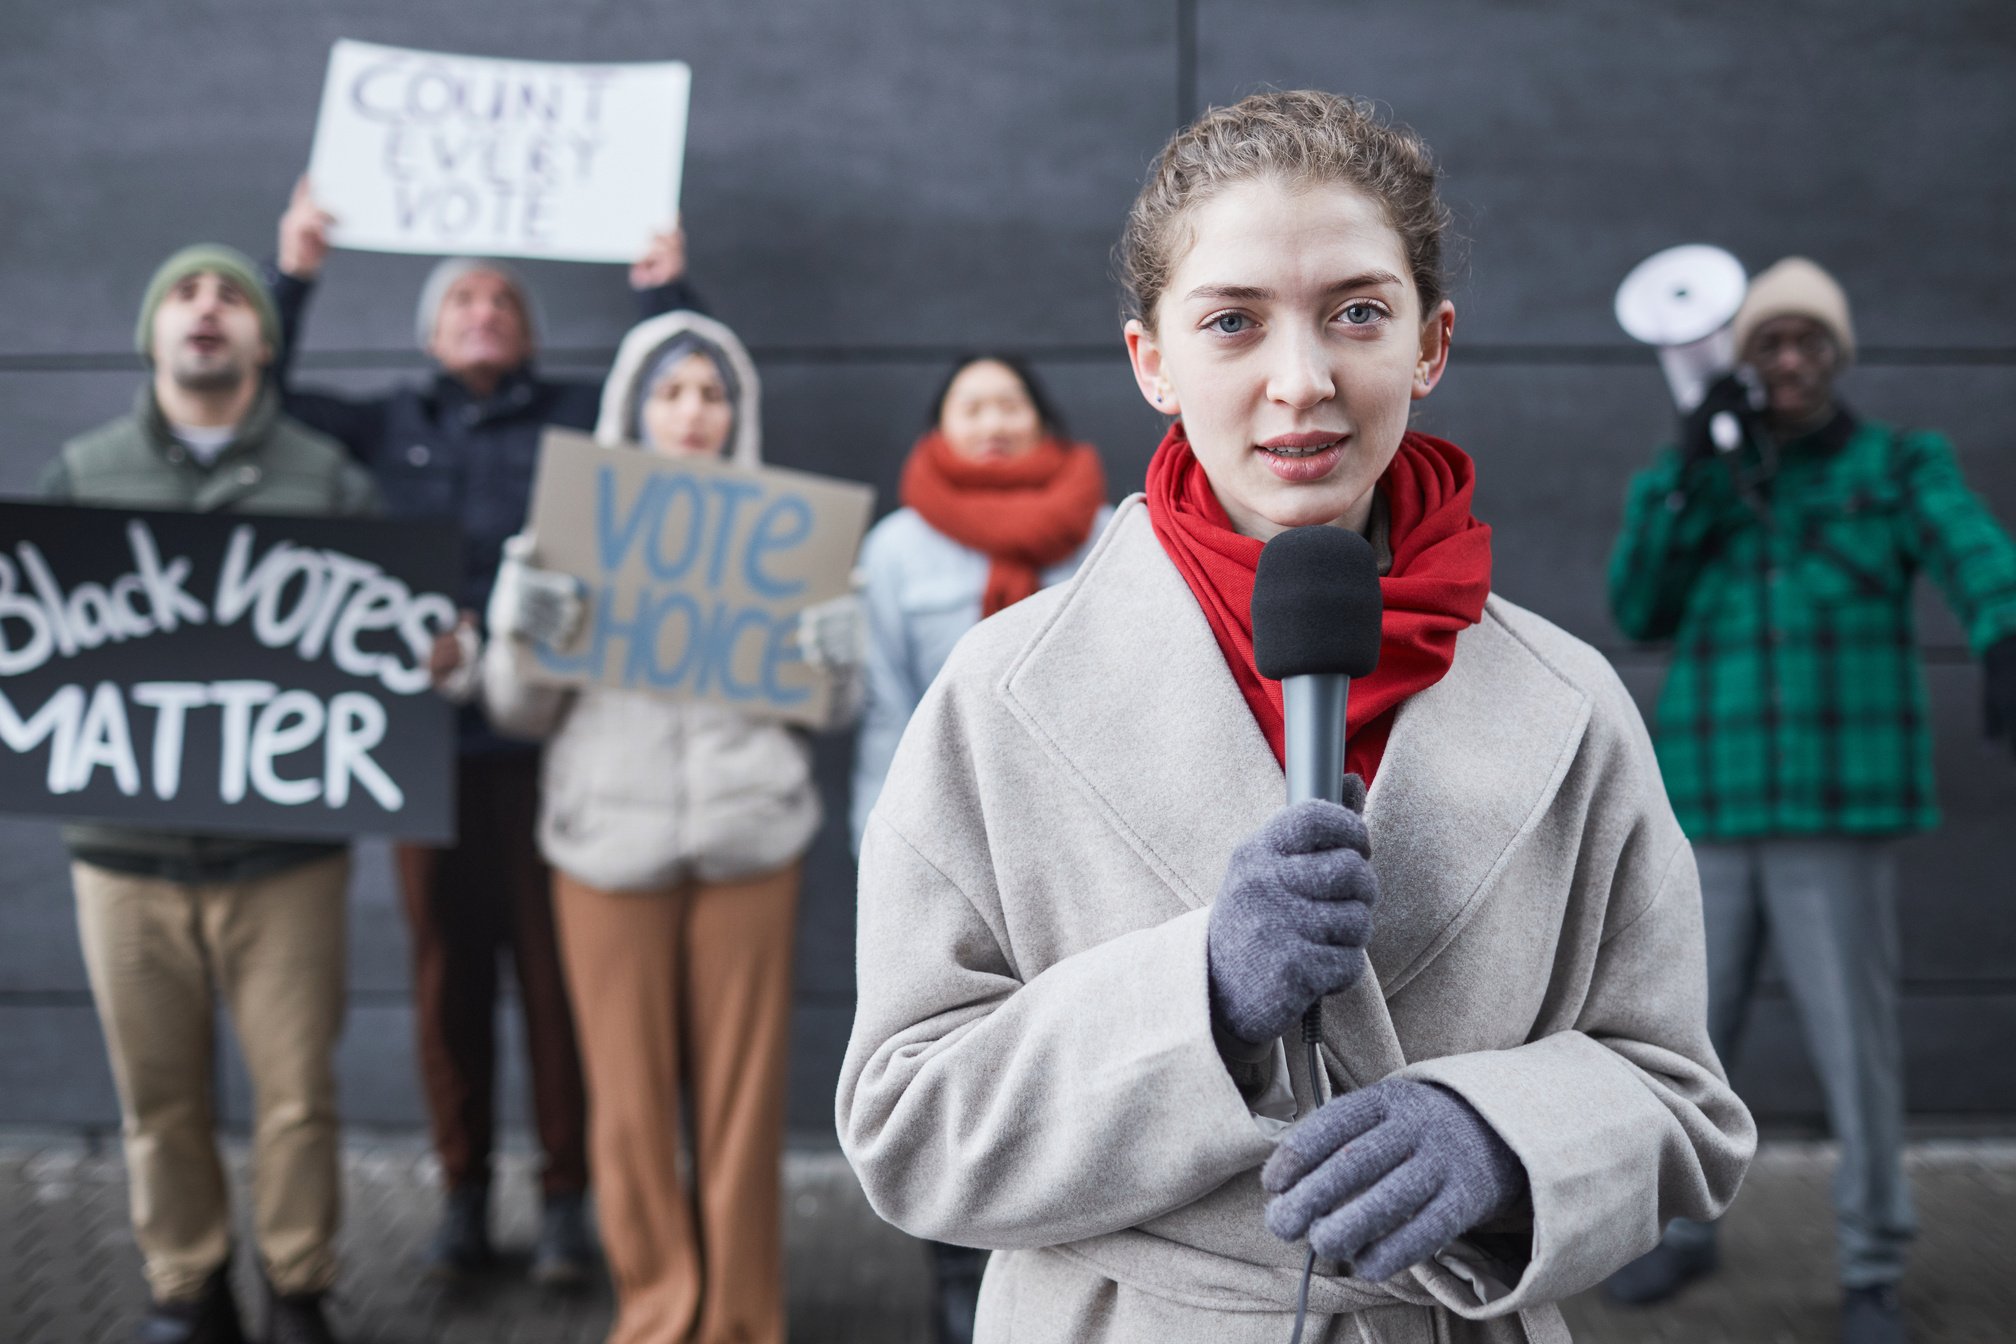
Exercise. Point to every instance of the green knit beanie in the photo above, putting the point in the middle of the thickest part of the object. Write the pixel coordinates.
(228, 262)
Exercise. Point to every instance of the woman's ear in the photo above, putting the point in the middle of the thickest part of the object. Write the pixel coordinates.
(1436, 333)
(1149, 374)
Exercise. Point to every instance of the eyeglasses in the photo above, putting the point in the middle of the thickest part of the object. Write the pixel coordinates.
(1812, 344)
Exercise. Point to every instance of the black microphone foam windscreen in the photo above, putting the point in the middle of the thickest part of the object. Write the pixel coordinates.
(1316, 604)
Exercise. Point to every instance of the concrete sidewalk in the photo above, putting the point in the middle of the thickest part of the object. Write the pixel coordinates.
(69, 1273)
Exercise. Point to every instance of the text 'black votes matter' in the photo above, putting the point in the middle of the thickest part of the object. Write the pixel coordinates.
(242, 669)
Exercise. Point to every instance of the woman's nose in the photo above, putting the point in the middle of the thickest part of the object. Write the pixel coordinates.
(1300, 376)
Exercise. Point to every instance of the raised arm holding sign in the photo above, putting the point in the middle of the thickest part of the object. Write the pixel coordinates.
(420, 151)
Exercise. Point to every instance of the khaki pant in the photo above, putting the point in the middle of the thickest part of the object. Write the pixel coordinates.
(159, 953)
(686, 992)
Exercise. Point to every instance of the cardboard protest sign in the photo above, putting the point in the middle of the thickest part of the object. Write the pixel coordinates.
(225, 673)
(419, 151)
(696, 572)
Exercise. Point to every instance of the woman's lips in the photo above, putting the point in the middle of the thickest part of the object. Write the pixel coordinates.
(1298, 464)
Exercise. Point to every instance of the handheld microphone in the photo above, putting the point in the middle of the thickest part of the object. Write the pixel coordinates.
(1316, 614)
(1316, 621)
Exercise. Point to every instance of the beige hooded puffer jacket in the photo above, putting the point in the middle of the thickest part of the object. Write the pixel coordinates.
(643, 792)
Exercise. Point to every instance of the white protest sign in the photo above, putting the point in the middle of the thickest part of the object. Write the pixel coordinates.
(696, 571)
(418, 151)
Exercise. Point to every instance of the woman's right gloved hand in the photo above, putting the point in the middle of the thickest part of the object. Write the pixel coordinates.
(534, 604)
(1293, 916)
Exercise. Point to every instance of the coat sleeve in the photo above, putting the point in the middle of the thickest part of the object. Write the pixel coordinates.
(1624, 1120)
(671, 297)
(53, 481)
(890, 692)
(1674, 517)
(514, 706)
(356, 423)
(984, 1107)
(1956, 539)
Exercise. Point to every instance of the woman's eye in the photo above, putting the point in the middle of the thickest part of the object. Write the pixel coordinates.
(1362, 314)
(1229, 324)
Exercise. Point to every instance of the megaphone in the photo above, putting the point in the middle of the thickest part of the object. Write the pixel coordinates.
(1682, 301)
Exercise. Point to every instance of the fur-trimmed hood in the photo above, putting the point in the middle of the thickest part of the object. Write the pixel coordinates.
(640, 350)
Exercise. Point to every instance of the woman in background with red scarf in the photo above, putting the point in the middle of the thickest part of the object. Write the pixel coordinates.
(998, 502)
(1087, 921)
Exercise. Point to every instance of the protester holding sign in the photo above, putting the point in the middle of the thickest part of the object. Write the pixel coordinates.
(998, 503)
(171, 921)
(677, 831)
(1087, 921)
(463, 448)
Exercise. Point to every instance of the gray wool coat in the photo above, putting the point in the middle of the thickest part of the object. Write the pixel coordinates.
(1032, 1066)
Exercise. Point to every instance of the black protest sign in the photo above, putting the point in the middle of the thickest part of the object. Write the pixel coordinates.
(225, 673)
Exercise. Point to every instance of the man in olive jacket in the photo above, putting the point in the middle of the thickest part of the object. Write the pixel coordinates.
(171, 921)
(1792, 729)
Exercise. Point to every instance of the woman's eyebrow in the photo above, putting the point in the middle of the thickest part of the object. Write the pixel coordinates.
(1257, 294)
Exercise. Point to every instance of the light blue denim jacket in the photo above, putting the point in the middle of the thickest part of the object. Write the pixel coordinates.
(923, 592)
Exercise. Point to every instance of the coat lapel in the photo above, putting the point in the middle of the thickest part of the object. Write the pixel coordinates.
(1462, 783)
(1126, 689)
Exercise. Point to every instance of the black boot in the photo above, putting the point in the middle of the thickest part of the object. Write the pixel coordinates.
(1872, 1316)
(565, 1253)
(1659, 1273)
(210, 1317)
(461, 1247)
(296, 1319)
(955, 1276)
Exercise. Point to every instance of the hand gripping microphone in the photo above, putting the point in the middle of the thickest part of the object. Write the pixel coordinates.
(1316, 614)
(1316, 618)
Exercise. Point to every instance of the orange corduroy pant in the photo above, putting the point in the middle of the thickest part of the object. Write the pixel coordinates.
(686, 993)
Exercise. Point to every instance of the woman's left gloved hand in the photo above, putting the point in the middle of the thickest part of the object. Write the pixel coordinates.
(833, 637)
(1384, 1177)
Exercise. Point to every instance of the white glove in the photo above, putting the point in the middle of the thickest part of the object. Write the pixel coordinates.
(833, 637)
(461, 685)
(539, 605)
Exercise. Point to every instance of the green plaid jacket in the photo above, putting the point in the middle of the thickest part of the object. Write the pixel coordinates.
(1795, 704)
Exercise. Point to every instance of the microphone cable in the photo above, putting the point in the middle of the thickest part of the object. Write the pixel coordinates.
(1312, 1034)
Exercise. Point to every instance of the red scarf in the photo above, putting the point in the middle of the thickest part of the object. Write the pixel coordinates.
(1024, 513)
(1436, 588)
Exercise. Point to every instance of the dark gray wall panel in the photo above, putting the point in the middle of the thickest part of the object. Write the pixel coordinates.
(38, 925)
(1579, 138)
(905, 173)
(53, 1071)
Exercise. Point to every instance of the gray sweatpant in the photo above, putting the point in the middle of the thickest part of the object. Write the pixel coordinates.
(1829, 908)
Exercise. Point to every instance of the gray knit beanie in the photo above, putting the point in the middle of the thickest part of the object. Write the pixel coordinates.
(448, 271)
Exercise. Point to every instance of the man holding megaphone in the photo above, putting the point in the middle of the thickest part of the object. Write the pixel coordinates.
(1776, 545)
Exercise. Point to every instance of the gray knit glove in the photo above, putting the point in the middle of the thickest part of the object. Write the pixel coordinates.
(1292, 917)
(1384, 1177)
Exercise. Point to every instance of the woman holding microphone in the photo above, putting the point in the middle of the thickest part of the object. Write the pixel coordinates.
(1087, 919)
(676, 833)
